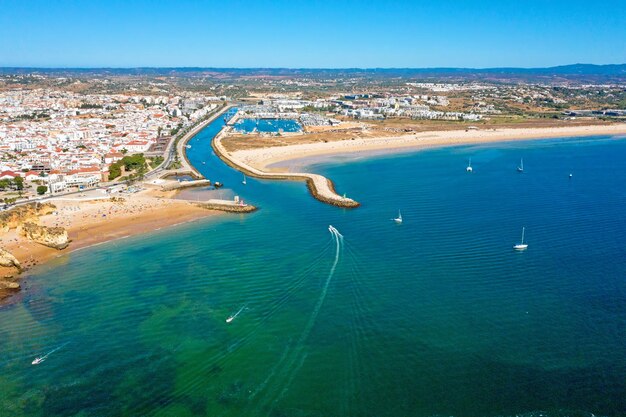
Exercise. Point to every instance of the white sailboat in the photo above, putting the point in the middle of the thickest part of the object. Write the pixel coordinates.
(469, 166)
(399, 218)
(244, 180)
(520, 168)
(522, 245)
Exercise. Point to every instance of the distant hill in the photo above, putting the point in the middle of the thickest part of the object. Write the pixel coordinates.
(580, 72)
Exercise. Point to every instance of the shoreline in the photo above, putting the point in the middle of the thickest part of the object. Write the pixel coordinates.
(273, 160)
(181, 146)
(319, 186)
(92, 222)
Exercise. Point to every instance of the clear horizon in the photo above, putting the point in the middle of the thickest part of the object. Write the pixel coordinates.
(311, 35)
(294, 68)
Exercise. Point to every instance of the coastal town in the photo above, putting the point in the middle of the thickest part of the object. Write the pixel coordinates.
(312, 208)
(93, 153)
(66, 132)
(54, 141)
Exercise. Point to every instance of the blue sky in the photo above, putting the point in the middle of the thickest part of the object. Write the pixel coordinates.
(312, 34)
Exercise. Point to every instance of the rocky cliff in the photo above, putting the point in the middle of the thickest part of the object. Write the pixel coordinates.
(53, 237)
(8, 260)
(28, 213)
(8, 282)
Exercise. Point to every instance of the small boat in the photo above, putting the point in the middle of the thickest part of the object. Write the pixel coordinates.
(399, 218)
(40, 359)
(469, 166)
(520, 168)
(217, 184)
(234, 316)
(188, 146)
(570, 175)
(522, 245)
(203, 163)
(244, 179)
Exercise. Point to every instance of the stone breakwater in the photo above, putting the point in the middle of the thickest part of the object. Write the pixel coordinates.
(227, 206)
(320, 187)
(185, 184)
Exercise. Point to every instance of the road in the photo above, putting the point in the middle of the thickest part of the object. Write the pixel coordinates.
(171, 150)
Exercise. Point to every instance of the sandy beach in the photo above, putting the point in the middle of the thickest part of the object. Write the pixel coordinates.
(90, 222)
(263, 158)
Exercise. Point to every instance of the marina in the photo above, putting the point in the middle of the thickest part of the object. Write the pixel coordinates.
(267, 125)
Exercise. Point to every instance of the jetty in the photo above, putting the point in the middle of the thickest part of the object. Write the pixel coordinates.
(320, 187)
(179, 185)
(232, 206)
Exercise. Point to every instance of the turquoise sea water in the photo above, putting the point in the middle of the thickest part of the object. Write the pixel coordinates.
(267, 125)
(436, 316)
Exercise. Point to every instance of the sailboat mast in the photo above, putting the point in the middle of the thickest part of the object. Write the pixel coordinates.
(523, 229)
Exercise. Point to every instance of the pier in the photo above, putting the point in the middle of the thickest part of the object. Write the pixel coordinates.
(320, 187)
(232, 206)
(179, 185)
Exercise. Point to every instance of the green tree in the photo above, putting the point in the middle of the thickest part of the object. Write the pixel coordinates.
(41, 190)
(115, 171)
(18, 182)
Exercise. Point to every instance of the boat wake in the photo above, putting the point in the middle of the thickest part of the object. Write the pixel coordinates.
(234, 316)
(40, 359)
(298, 356)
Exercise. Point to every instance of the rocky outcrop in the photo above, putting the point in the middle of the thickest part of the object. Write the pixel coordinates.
(28, 213)
(53, 237)
(8, 260)
(8, 283)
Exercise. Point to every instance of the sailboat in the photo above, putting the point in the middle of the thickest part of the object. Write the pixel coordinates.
(399, 218)
(520, 168)
(522, 245)
(244, 179)
(469, 166)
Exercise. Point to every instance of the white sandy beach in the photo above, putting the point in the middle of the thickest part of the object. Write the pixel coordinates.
(263, 158)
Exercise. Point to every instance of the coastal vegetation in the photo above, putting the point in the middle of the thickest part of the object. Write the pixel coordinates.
(130, 163)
